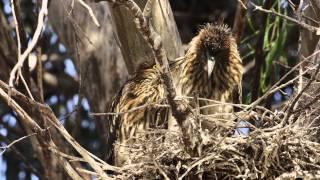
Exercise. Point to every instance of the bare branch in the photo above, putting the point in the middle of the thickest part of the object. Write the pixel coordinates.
(253, 104)
(313, 29)
(243, 4)
(22, 57)
(40, 74)
(22, 43)
(155, 43)
(95, 20)
(297, 97)
(132, 109)
(14, 142)
(46, 112)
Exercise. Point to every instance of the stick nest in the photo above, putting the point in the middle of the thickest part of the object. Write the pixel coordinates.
(276, 147)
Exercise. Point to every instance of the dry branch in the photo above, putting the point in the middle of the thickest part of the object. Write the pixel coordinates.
(33, 125)
(93, 17)
(154, 41)
(274, 148)
(264, 153)
(239, 20)
(4, 148)
(133, 47)
(310, 28)
(22, 57)
(270, 90)
(49, 115)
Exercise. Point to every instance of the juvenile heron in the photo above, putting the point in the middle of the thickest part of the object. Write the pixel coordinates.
(212, 68)
(138, 105)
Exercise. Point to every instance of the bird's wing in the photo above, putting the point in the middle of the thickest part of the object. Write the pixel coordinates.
(142, 89)
(113, 122)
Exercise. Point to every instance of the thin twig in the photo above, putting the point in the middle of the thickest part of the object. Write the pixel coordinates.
(131, 110)
(242, 4)
(25, 84)
(47, 112)
(21, 58)
(16, 107)
(313, 29)
(14, 142)
(20, 31)
(40, 74)
(179, 111)
(266, 94)
(16, 27)
(295, 100)
(86, 6)
(161, 170)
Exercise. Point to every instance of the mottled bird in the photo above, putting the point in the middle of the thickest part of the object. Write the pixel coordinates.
(212, 68)
(137, 105)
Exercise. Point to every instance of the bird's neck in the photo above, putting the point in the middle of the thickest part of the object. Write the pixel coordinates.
(226, 74)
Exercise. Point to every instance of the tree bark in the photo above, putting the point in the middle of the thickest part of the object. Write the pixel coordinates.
(133, 47)
(8, 47)
(95, 52)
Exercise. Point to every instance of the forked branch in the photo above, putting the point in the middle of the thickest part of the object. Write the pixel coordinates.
(179, 111)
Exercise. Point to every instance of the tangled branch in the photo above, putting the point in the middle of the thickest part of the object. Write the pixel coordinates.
(22, 57)
(313, 29)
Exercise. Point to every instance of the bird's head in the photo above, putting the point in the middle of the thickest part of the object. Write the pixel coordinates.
(213, 45)
(215, 40)
(211, 61)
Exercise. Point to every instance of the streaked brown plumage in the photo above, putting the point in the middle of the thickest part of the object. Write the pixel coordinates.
(144, 88)
(224, 83)
(190, 75)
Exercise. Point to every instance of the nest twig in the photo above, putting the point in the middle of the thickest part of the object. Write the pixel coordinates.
(267, 152)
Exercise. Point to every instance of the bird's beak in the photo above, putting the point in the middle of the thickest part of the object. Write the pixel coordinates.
(210, 64)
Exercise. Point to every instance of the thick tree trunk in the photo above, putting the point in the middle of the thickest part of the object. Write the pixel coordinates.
(102, 67)
(94, 51)
(133, 47)
(98, 60)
